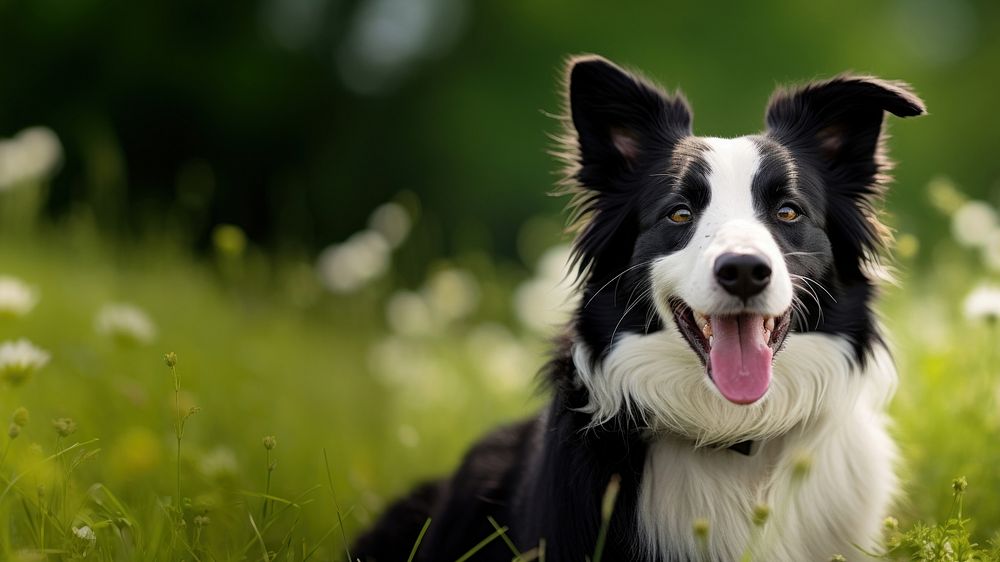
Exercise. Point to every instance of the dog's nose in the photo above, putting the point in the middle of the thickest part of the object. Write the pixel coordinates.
(742, 275)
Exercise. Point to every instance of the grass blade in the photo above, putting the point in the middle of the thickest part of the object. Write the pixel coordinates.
(322, 539)
(260, 539)
(420, 537)
(54, 456)
(482, 544)
(336, 506)
(607, 508)
(517, 553)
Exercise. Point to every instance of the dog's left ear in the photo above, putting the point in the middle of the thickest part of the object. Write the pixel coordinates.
(840, 120)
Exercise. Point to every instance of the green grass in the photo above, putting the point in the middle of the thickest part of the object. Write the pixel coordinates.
(263, 351)
(256, 361)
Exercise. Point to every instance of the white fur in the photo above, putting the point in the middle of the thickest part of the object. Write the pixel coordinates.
(819, 405)
(729, 224)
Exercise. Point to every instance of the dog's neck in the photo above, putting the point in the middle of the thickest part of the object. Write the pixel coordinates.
(658, 383)
(746, 448)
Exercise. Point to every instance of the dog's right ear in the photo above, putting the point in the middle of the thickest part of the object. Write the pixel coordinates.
(619, 117)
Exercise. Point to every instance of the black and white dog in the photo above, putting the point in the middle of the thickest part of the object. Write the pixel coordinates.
(725, 333)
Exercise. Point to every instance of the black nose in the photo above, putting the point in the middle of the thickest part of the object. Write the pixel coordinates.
(742, 275)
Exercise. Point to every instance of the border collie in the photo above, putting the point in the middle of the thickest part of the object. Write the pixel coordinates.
(724, 355)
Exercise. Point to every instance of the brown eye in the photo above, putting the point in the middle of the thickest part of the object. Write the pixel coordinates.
(680, 215)
(788, 213)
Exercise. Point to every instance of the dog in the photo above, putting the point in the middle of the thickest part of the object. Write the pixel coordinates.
(724, 368)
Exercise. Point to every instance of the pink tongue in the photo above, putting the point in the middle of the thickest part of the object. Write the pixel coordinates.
(740, 357)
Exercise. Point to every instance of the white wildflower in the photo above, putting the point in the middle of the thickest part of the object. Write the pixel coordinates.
(397, 361)
(973, 222)
(86, 538)
(391, 221)
(930, 324)
(347, 267)
(409, 366)
(547, 300)
(991, 250)
(85, 533)
(945, 195)
(219, 463)
(32, 155)
(16, 297)
(506, 364)
(126, 323)
(452, 294)
(409, 314)
(983, 303)
(19, 359)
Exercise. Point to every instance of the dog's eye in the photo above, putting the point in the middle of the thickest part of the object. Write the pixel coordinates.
(788, 213)
(680, 215)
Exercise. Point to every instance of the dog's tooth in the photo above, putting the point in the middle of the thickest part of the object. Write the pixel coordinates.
(769, 324)
(711, 341)
(706, 330)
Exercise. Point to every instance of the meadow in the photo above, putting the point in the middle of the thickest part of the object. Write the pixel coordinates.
(238, 405)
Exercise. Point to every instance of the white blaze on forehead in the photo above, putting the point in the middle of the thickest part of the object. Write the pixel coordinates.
(729, 224)
(732, 165)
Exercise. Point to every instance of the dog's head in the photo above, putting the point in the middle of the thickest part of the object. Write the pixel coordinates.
(728, 245)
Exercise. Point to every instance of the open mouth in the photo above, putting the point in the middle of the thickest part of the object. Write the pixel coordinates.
(737, 349)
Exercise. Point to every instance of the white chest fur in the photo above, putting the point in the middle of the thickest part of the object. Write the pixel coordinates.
(819, 407)
(837, 503)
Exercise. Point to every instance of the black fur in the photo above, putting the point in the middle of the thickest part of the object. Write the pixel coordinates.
(631, 161)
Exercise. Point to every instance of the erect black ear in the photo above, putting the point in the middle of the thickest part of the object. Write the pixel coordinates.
(619, 117)
(840, 120)
(836, 125)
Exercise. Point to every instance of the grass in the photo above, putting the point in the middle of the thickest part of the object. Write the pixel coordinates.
(257, 362)
(301, 437)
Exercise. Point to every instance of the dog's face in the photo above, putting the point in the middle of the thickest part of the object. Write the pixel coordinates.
(724, 246)
(728, 245)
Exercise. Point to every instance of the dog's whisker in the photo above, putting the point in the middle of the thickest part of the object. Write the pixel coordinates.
(613, 279)
(798, 312)
(819, 306)
(809, 285)
(650, 314)
(786, 254)
(646, 293)
(815, 283)
(809, 291)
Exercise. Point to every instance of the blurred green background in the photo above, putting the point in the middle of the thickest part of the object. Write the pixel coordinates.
(336, 212)
(293, 118)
